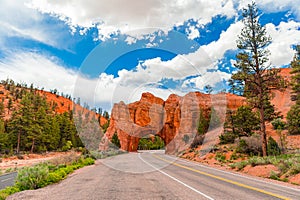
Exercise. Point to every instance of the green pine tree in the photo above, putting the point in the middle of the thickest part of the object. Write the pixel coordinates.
(115, 140)
(293, 116)
(295, 71)
(253, 66)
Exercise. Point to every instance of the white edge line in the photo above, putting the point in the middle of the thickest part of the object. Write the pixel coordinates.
(175, 179)
(231, 173)
(7, 179)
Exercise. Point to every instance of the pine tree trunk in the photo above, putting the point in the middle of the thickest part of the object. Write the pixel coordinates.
(19, 141)
(32, 146)
(263, 131)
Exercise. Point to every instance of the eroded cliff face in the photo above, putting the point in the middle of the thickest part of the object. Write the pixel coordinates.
(174, 120)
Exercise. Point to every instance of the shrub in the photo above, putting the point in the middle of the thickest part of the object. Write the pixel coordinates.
(220, 157)
(242, 146)
(186, 139)
(32, 177)
(273, 148)
(233, 156)
(88, 161)
(295, 169)
(53, 177)
(198, 140)
(227, 138)
(239, 165)
(274, 175)
(8, 191)
(249, 145)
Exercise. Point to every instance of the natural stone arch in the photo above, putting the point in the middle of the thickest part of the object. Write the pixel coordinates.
(174, 120)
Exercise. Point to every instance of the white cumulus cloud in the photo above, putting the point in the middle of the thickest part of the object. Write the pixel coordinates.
(284, 36)
(17, 20)
(111, 18)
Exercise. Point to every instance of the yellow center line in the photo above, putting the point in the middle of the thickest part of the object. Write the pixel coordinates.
(223, 179)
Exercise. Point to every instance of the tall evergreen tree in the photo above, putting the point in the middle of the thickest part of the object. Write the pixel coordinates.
(253, 65)
(3, 136)
(21, 121)
(293, 116)
(295, 71)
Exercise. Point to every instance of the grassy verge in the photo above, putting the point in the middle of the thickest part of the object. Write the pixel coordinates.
(44, 174)
(287, 164)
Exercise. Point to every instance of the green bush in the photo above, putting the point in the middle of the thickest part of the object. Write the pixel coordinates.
(53, 177)
(220, 157)
(227, 138)
(242, 146)
(249, 145)
(295, 169)
(274, 175)
(32, 177)
(8, 191)
(88, 161)
(239, 165)
(233, 156)
(273, 148)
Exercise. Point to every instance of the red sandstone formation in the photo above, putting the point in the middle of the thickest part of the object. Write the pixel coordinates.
(171, 119)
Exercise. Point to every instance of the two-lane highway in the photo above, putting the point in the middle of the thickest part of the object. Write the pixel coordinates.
(154, 175)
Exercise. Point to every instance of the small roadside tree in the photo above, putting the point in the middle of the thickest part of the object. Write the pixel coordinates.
(279, 126)
(115, 140)
(241, 123)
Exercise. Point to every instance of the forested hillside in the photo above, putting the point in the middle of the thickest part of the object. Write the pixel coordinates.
(33, 120)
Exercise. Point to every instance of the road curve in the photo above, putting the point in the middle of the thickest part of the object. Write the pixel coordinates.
(7, 180)
(154, 175)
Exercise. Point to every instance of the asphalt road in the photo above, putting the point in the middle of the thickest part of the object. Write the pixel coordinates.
(153, 175)
(7, 180)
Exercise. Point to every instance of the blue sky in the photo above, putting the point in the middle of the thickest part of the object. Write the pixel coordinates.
(104, 52)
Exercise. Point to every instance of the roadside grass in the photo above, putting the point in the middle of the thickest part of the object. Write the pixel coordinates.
(288, 165)
(46, 173)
